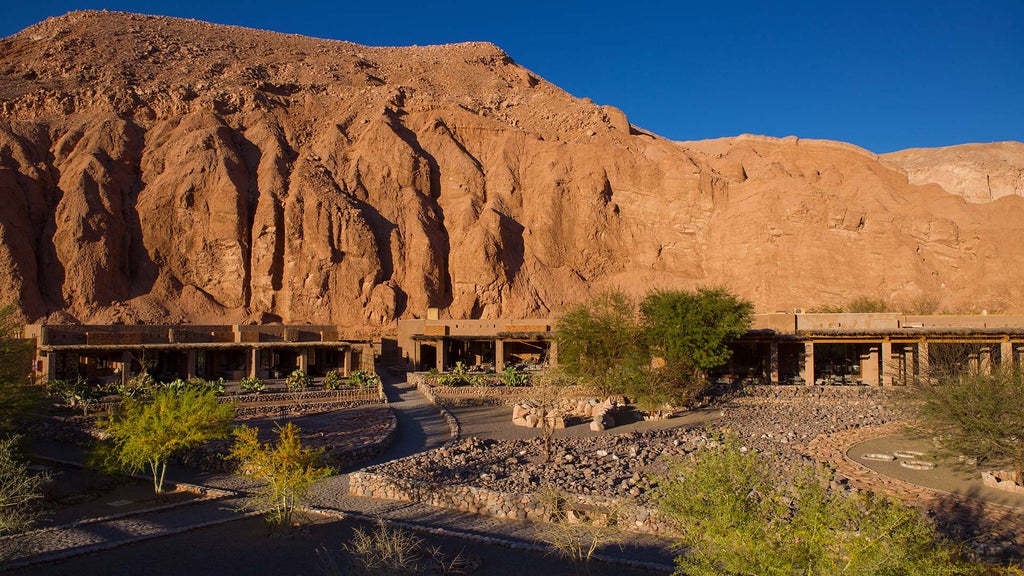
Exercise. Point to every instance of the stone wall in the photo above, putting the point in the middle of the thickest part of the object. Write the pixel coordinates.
(487, 502)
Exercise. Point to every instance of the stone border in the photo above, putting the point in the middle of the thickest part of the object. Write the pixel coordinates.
(487, 502)
(348, 456)
(492, 540)
(454, 428)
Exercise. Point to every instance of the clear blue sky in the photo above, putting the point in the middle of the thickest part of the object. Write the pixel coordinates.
(885, 75)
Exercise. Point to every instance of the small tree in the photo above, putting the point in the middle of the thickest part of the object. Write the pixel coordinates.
(144, 435)
(598, 338)
(19, 489)
(17, 394)
(978, 412)
(737, 515)
(691, 330)
(286, 468)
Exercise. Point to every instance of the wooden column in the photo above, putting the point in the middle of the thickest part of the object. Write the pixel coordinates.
(346, 367)
(190, 364)
(254, 362)
(442, 355)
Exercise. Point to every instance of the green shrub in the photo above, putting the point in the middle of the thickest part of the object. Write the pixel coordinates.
(364, 379)
(252, 385)
(333, 380)
(738, 515)
(512, 377)
(298, 381)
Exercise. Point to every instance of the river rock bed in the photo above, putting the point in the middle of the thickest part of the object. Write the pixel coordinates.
(615, 465)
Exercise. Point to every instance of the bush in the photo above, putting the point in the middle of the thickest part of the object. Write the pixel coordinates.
(19, 489)
(333, 380)
(252, 385)
(286, 469)
(512, 377)
(364, 379)
(297, 381)
(739, 516)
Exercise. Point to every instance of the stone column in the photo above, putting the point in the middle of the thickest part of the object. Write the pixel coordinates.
(908, 376)
(985, 359)
(773, 362)
(49, 365)
(499, 355)
(346, 366)
(869, 366)
(552, 352)
(442, 355)
(303, 360)
(923, 368)
(808, 372)
(887, 364)
(126, 367)
(190, 364)
(254, 362)
(1006, 353)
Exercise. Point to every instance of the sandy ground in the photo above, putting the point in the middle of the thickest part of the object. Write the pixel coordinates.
(947, 476)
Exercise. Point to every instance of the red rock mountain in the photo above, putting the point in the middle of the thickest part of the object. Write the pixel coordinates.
(159, 169)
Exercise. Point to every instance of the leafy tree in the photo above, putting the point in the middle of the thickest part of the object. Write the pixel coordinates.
(737, 515)
(978, 412)
(691, 330)
(286, 468)
(18, 395)
(597, 339)
(144, 435)
(19, 489)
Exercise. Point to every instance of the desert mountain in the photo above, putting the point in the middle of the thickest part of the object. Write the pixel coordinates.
(159, 169)
(978, 172)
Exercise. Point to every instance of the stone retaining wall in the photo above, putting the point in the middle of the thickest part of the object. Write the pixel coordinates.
(487, 502)
(344, 457)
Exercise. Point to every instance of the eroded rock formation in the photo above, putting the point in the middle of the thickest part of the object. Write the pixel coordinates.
(158, 169)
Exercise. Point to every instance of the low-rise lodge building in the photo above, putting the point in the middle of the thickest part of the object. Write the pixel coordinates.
(111, 352)
(780, 348)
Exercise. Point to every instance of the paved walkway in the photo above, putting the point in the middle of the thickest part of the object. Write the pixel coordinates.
(420, 426)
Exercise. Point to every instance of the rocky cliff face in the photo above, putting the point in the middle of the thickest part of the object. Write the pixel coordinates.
(157, 169)
(978, 172)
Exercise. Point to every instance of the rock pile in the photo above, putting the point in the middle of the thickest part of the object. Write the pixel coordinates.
(601, 414)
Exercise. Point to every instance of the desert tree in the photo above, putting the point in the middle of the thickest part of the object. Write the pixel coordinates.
(286, 469)
(977, 412)
(145, 434)
(736, 514)
(20, 489)
(18, 394)
(598, 339)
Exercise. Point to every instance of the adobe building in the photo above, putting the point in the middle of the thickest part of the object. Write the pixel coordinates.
(110, 352)
(781, 348)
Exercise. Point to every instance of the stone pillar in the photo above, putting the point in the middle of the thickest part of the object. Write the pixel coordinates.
(190, 364)
(499, 355)
(442, 355)
(49, 365)
(923, 368)
(126, 367)
(985, 359)
(552, 353)
(869, 366)
(908, 376)
(808, 372)
(887, 364)
(254, 362)
(303, 360)
(1006, 357)
(346, 367)
(773, 362)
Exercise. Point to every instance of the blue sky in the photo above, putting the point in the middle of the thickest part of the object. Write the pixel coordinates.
(884, 75)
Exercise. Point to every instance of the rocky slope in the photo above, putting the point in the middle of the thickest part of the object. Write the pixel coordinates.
(978, 172)
(158, 169)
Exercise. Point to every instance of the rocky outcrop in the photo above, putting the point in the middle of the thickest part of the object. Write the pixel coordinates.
(978, 172)
(157, 169)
